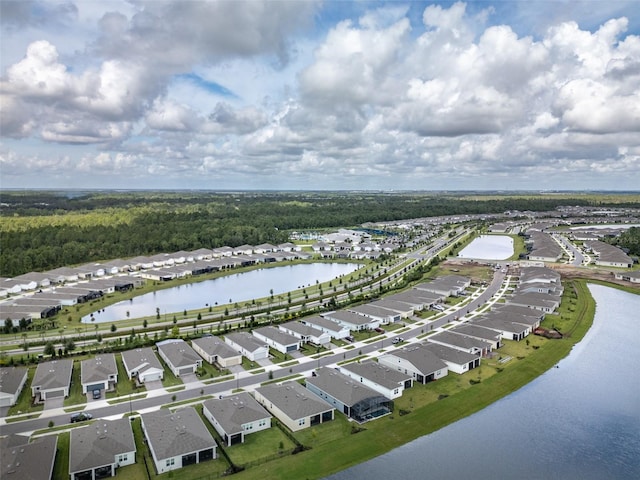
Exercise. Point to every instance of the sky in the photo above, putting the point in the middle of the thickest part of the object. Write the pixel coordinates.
(311, 95)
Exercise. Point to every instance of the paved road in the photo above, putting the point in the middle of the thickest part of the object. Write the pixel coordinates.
(244, 380)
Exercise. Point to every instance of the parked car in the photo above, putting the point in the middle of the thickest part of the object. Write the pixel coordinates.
(80, 417)
(350, 339)
(96, 394)
(379, 330)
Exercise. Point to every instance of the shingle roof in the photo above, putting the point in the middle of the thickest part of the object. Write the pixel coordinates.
(215, 346)
(11, 378)
(341, 387)
(422, 359)
(54, 374)
(176, 433)
(27, 461)
(377, 373)
(294, 400)
(178, 352)
(234, 412)
(98, 368)
(98, 444)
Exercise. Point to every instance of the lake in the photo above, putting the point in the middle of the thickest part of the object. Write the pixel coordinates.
(578, 421)
(489, 247)
(238, 287)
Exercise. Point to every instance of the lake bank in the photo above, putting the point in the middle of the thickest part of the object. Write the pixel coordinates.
(388, 433)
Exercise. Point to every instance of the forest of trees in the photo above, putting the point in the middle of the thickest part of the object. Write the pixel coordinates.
(45, 230)
(629, 240)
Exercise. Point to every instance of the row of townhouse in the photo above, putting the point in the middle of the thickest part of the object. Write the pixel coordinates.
(608, 255)
(33, 281)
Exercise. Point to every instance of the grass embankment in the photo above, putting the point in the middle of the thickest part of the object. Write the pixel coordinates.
(494, 382)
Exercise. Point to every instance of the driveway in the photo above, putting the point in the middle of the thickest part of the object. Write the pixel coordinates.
(55, 402)
(190, 378)
(236, 369)
(296, 354)
(153, 385)
(264, 362)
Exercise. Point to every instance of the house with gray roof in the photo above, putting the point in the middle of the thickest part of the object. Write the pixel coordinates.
(177, 439)
(216, 351)
(179, 356)
(142, 364)
(52, 379)
(476, 331)
(423, 365)
(236, 416)
(540, 301)
(327, 325)
(377, 311)
(295, 406)
(21, 459)
(388, 381)
(354, 399)
(457, 361)
(12, 381)
(633, 277)
(278, 339)
(248, 345)
(538, 275)
(508, 330)
(99, 449)
(461, 342)
(306, 333)
(352, 321)
(98, 373)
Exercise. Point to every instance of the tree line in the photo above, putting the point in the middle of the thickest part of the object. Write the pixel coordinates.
(155, 222)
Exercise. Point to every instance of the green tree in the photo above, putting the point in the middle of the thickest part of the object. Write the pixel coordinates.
(113, 327)
(49, 348)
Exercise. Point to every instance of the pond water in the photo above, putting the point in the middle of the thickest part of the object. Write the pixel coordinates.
(228, 290)
(489, 247)
(601, 226)
(578, 421)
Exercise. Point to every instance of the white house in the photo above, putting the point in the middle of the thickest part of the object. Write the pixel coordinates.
(98, 373)
(179, 356)
(306, 333)
(248, 345)
(281, 341)
(52, 379)
(422, 364)
(143, 364)
(236, 416)
(177, 439)
(327, 325)
(384, 379)
(12, 381)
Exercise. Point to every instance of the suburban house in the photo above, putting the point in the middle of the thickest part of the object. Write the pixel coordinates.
(306, 333)
(540, 301)
(352, 321)
(423, 365)
(12, 381)
(448, 286)
(21, 459)
(52, 379)
(400, 309)
(97, 450)
(457, 361)
(327, 325)
(276, 338)
(538, 275)
(216, 351)
(177, 439)
(476, 331)
(508, 330)
(388, 381)
(633, 277)
(142, 364)
(98, 373)
(460, 342)
(382, 315)
(609, 255)
(295, 406)
(236, 416)
(179, 356)
(352, 398)
(248, 345)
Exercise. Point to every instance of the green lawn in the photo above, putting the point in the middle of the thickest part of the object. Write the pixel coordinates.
(259, 445)
(76, 397)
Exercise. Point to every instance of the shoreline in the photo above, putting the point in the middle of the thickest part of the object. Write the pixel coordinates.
(392, 432)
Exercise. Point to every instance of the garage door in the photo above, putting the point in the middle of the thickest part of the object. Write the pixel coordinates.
(97, 386)
(53, 394)
(151, 377)
(185, 370)
(5, 401)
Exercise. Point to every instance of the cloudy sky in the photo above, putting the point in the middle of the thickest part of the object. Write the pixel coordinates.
(333, 95)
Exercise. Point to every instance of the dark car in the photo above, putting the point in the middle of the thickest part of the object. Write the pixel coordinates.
(80, 417)
(96, 394)
(379, 330)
